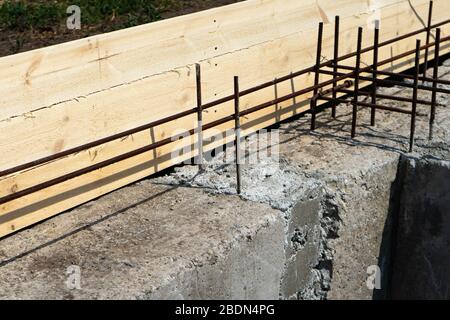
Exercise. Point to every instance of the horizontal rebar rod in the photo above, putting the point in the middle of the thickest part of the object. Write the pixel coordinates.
(369, 105)
(213, 124)
(96, 143)
(340, 87)
(327, 64)
(385, 96)
(401, 75)
(393, 40)
(108, 162)
(209, 105)
(156, 123)
(387, 82)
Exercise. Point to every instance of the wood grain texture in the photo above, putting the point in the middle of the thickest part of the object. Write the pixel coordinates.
(60, 97)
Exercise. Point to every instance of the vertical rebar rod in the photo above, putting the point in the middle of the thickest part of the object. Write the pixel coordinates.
(430, 19)
(199, 116)
(357, 74)
(237, 128)
(375, 70)
(335, 63)
(414, 99)
(435, 77)
(317, 75)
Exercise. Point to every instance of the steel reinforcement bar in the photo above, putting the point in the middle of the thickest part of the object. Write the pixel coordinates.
(350, 79)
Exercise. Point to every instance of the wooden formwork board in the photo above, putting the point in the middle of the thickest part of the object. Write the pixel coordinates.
(56, 98)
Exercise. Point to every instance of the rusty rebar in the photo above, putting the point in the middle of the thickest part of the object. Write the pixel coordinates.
(398, 75)
(199, 116)
(335, 61)
(386, 81)
(338, 88)
(356, 84)
(237, 128)
(336, 78)
(206, 106)
(369, 105)
(414, 98)
(387, 97)
(375, 69)
(430, 19)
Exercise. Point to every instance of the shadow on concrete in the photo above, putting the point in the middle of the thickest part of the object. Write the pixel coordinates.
(89, 224)
(414, 257)
(386, 256)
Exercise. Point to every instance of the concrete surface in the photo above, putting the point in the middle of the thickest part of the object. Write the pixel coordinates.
(353, 183)
(314, 214)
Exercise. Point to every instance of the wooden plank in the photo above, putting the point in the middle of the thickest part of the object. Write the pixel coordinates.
(133, 103)
(44, 77)
(82, 120)
(105, 61)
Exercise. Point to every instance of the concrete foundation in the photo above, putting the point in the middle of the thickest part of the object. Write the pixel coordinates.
(317, 211)
(148, 241)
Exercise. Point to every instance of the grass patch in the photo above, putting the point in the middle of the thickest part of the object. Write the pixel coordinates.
(32, 24)
(50, 15)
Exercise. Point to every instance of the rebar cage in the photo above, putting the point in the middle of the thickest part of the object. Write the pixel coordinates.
(341, 85)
